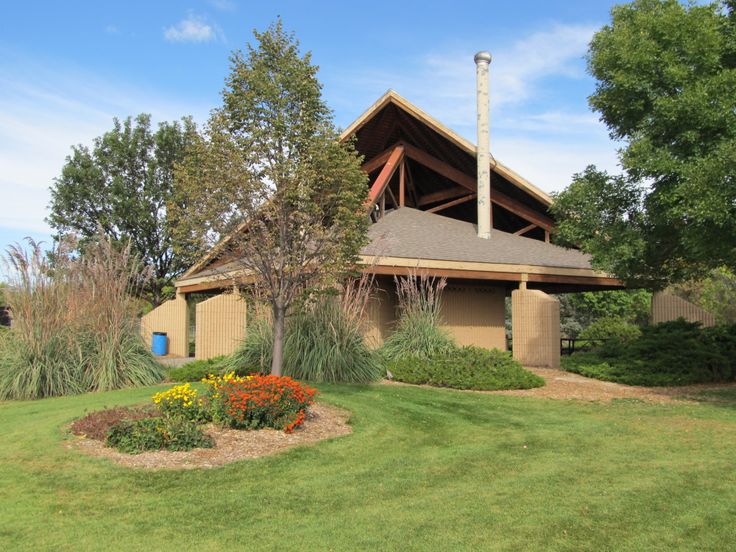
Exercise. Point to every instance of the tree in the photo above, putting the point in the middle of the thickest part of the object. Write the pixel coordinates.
(270, 176)
(666, 87)
(122, 185)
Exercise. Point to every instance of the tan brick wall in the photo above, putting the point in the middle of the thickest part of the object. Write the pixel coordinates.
(221, 324)
(535, 328)
(169, 317)
(380, 315)
(667, 307)
(474, 315)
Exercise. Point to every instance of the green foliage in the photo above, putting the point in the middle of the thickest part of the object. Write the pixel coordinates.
(197, 369)
(718, 295)
(161, 433)
(322, 343)
(271, 160)
(465, 368)
(611, 328)
(254, 353)
(580, 310)
(666, 87)
(121, 186)
(418, 331)
(672, 353)
(74, 324)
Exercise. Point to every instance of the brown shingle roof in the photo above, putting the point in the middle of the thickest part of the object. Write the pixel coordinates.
(415, 234)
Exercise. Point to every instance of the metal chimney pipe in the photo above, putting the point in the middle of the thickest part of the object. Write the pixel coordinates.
(482, 60)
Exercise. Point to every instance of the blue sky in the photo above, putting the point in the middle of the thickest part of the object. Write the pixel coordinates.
(67, 68)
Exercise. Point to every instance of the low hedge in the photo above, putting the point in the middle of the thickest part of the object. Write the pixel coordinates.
(672, 353)
(197, 370)
(465, 368)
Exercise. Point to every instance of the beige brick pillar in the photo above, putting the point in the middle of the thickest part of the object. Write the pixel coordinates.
(170, 317)
(535, 323)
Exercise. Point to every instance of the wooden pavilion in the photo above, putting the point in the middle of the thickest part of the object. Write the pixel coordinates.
(424, 205)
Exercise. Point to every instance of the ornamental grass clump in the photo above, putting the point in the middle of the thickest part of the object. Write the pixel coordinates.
(418, 332)
(74, 322)
(323, 343)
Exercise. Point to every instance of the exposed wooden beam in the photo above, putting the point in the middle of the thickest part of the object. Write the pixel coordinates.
(402, 183)
(525, 230)
(410, 185)
(379, 185)
(379, 160)
(452, 203)
(440, 167)
(442, 195)
(391, 195)
(525, 212)
(468, 182)
(593, 281)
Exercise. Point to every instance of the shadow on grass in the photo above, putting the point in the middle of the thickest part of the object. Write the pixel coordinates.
(724, 398)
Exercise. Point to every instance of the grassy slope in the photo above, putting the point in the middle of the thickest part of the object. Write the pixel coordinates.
(425, 470)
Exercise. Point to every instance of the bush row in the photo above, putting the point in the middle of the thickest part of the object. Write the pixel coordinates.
(465, 368)
(672, 353)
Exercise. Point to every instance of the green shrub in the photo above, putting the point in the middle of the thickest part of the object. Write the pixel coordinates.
(96, 425)
(161, 433)
(613, 328)
(197, 369)
(418, 331)
(465, 368)
(672, 353)
(323, 342)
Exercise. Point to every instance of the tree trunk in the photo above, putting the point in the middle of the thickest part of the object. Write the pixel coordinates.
(279, 316)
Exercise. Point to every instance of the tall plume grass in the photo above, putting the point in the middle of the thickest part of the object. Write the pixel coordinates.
(323, 339)
(74, 322)
(418, 332)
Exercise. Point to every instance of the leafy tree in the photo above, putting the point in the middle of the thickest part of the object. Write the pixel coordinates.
(270, 175)
(579, 310)
(122, 185)
(666, 87)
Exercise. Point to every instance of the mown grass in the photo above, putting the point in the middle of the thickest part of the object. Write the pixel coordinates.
(425, 469)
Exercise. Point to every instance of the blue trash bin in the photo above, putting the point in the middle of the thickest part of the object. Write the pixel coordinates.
(159, 344)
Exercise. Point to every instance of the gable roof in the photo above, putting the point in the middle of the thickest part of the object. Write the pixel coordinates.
(415, 234)
(392, 97)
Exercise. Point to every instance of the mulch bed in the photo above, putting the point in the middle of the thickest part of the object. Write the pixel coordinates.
(231, 445)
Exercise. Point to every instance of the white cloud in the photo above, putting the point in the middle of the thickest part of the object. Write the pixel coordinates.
(550, 165)
(43, 112)
(191, 29)
(544, 142)
(112, 29)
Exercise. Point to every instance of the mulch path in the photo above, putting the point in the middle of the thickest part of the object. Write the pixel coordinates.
(567, 385)
(231, 445)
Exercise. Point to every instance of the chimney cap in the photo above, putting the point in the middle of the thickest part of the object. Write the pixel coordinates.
(483, 57)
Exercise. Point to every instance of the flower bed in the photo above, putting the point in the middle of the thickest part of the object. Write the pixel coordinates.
(175, 423)
(255, 402)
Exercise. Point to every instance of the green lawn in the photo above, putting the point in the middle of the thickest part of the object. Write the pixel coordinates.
(424, 470)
